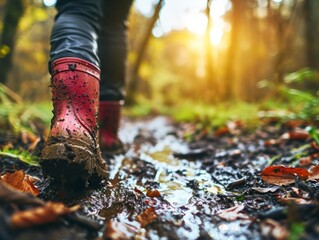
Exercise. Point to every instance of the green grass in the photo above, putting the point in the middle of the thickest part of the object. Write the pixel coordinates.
(19, 117)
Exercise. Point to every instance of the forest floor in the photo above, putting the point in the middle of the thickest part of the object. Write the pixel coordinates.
(176, 181)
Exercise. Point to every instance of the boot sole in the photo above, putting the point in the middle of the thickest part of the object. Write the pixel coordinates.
(71, 165)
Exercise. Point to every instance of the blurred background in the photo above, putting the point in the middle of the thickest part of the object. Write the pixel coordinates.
(183, 51)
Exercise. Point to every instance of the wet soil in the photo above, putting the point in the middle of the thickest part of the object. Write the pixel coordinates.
(175, 182)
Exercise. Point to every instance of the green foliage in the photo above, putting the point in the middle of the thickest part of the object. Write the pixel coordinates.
(296, 230)
(204, 115)
(294, 94)
(313, 132)
(18, 116)
(216, 115)
(23, 156)
(302, 75)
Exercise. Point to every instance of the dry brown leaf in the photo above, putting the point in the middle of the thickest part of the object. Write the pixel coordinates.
(314, 173)
(271, 228)
(49, 213)
(233, 213)
(305, 161)
(28, 137)
(21, 181)
(295, 123)
(34, 144)
(11, 195)
(289, 200)
(296, 135)
(148, 216)
(278, 181)
(153, 193)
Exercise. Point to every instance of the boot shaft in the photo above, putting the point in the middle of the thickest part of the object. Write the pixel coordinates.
(109, 121)
(75, 94)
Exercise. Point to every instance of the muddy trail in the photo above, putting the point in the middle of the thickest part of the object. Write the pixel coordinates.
(177, 182)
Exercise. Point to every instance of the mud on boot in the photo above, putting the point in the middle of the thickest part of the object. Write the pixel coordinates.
(71, 155)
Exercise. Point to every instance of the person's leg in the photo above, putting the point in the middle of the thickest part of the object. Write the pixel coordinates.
(112, 52)
(72, 153)
(76, 29)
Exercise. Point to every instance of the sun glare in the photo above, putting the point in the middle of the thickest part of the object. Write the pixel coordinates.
(216, 35)
(195, 23)
(49, 3)
(190, 15)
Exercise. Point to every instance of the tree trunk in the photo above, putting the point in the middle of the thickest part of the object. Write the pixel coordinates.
(14, 10)
(238, 7)
(133, 82)
(311, 16)
(209, 58)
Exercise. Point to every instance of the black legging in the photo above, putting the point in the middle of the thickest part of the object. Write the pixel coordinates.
(94, 30)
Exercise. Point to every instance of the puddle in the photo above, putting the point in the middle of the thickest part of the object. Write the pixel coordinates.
(189, 193)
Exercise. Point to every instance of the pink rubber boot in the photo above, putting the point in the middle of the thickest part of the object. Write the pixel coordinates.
(71, 153)
(109, 122)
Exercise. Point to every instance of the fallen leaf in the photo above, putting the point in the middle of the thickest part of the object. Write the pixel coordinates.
(305, 161)
(265, 190)
(296, 135)
(34, 144)
(153, 193)
(136, 190)
(231, 127)
(11, 195)
(21, 181)
(272, 228)
(118, 230)
(28, 137)
(278, 181)
(233, 213)
(295, 123)
(314, 173)
(148, 216)
(289, 200)
(222, 131)
(271, 142)
(282, 171)
(49, 213)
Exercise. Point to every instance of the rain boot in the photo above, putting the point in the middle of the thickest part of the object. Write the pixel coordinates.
(109, 122)
(71, 153)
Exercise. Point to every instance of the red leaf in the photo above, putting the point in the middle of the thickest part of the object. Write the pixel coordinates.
(285, 172)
